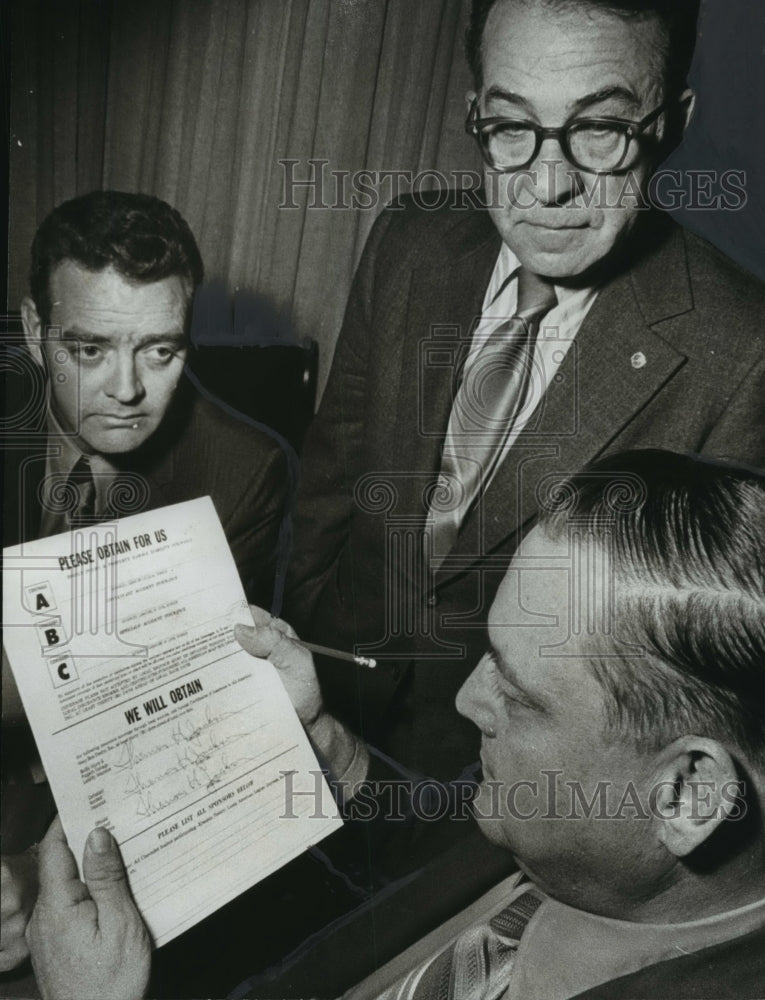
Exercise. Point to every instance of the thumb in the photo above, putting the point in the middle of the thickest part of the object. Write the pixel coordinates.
(267, 641)
(103, 870)
(256, 640)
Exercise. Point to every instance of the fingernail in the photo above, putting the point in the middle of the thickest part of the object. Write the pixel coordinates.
(99, 840)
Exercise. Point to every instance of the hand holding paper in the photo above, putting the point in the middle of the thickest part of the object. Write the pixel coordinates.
(18, 891)
(273, 639)
(87, 940)
(149, 717)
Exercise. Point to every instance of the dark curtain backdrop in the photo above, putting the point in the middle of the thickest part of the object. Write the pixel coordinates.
(198, 101)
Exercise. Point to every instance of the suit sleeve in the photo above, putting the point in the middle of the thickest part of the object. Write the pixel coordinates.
(333, 457)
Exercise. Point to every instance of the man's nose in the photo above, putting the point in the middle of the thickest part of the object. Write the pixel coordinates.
(124, 382)
(553, 179)
(476, 701)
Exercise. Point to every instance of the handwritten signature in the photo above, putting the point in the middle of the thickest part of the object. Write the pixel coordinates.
(200, 754)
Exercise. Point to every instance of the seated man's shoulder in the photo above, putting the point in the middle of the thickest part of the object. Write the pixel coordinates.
(233, 430)
(225, 446)
(734, 968)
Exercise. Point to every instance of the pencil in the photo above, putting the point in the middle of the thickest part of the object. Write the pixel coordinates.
(337, 654)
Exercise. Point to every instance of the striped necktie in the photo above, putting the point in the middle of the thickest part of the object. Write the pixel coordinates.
(488, 401)
(478, 965)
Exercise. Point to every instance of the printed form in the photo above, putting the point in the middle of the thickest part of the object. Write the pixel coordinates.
(149, 717)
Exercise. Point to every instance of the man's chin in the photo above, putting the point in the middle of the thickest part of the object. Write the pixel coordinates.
(563, 254)
(118, 441)
(561, 266)
(487, 804)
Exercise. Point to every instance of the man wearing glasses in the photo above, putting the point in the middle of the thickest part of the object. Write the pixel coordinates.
(488, 350)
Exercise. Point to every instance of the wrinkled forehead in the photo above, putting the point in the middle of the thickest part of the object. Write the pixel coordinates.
(538, 45)
(104, 302)
(552, 620)
(555, 583)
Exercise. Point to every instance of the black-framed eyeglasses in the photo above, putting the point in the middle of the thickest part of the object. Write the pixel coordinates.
(595, 145)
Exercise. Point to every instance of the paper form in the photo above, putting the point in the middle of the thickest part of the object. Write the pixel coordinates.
(149, 717)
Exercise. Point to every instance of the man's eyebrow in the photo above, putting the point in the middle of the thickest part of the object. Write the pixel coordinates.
(178, 338)
(499, 93)
(618, 93)
(615, 92)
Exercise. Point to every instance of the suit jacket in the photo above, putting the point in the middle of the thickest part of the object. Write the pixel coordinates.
(670, 355)
(733, 970)
(199, 450)
(349, 954)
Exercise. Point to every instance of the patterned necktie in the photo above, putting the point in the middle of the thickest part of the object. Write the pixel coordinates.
(83, 491)
(477, 966)
(491, 396)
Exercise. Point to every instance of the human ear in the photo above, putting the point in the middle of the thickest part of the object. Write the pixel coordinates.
(677, 118)
(32, 330)
(470, 96)
(694, 792)
(687, 104)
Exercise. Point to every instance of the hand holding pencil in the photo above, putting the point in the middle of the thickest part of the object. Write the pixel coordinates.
(275, 640)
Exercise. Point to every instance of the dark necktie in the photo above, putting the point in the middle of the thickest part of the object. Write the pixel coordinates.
(488, 401)
(83, 492)
(477, 966)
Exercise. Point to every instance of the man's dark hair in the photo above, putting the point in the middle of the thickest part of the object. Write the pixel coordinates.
(686, 543)
(678, 18)
(141, 237)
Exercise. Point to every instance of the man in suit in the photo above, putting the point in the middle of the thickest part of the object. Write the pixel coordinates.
(631, 331)
(114, 428)
(105, 425)
(624, 765)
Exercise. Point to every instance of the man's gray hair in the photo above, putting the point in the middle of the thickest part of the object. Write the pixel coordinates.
(678, 18)
(686, 543)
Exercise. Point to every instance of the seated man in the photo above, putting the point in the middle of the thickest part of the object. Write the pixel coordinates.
(108, 427)
(119, 430)
(620, 706)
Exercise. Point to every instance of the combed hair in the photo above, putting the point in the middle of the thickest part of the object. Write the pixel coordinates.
(686, 540)
(679, 18)
(140, 236)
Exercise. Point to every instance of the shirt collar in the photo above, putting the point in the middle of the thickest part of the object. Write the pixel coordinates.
(63, 453)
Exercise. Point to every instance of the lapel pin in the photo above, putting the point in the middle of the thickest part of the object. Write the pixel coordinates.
(638, 360)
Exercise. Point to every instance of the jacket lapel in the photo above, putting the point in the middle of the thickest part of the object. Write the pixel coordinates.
(600, 389)
(157, 468)
(443, 307)
(157, 478)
